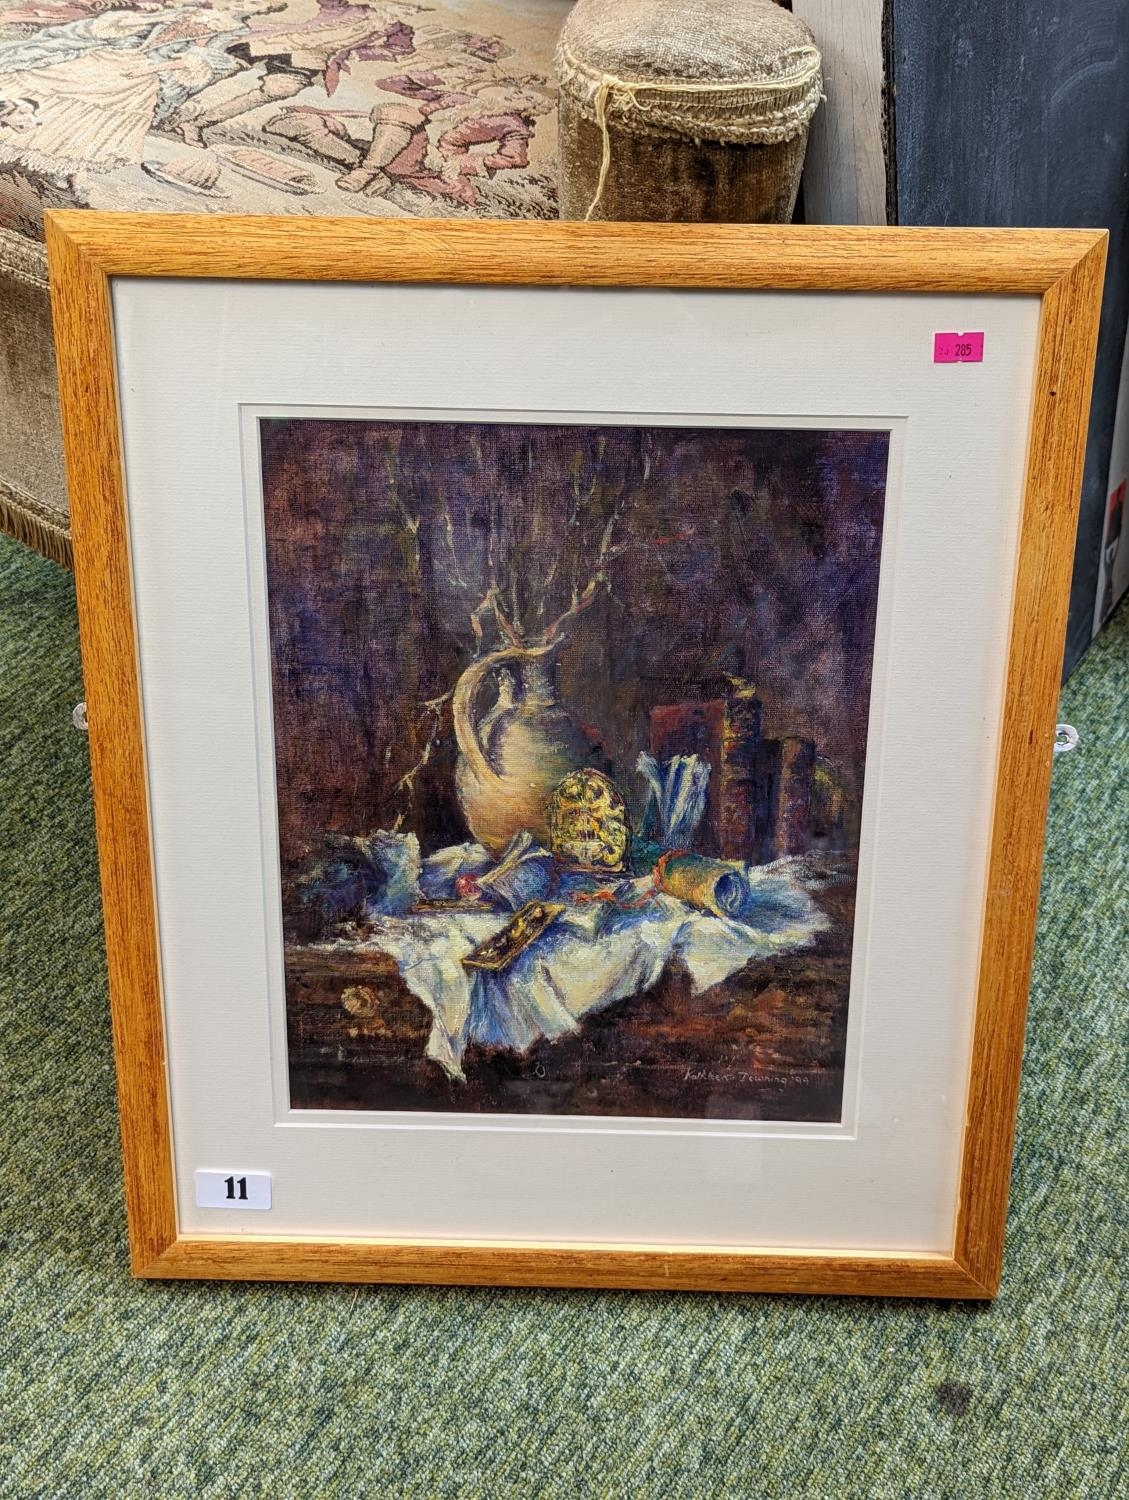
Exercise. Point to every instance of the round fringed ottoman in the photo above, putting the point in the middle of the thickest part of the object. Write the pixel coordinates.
(693, 111)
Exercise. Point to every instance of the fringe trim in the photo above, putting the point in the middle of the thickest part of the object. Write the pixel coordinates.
(25, 518)
(22, 259)
(765, 110)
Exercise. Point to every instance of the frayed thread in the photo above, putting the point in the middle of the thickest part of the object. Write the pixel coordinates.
(19, 520)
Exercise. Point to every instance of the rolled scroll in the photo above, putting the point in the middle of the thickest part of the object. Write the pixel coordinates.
(712, 885)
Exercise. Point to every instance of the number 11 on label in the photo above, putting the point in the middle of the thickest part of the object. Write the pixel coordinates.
(225, 1188)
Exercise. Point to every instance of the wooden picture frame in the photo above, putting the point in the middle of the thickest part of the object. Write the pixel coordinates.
(88, 252)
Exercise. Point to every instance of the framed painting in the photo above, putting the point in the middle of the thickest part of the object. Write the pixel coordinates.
(571, 712)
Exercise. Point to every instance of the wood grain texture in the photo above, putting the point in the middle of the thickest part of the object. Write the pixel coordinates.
(84, 339)
(1056, 453)
(845, 167)
(833, 257)
(654, 1268)
(1064, 267)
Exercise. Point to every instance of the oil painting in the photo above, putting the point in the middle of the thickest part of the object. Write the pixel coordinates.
(569, 728)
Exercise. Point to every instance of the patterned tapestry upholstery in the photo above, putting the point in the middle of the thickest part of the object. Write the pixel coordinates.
(277, 106)
(382, 108)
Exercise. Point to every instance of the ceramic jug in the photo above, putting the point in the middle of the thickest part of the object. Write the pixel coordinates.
(513, 757)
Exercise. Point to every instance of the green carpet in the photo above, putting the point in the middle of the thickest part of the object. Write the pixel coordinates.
(112, 1387)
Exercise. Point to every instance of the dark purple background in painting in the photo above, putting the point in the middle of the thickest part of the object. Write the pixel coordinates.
(732, 554)
(744, 553)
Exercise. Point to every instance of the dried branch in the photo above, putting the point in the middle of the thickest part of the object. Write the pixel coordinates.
(491, 605)
(449, 532)
(578, 507)
(392, 468)
(432, 707)
(584, 600)
(599, 581)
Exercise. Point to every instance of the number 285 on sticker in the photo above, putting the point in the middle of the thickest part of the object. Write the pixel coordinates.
(958, 348)
(227, 1188)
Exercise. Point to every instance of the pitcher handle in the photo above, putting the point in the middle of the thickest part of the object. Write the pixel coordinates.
(462, 706)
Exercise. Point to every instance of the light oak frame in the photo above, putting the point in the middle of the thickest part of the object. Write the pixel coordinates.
(1064, 268)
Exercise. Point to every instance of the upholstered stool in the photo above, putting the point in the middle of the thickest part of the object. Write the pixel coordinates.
(338, 107)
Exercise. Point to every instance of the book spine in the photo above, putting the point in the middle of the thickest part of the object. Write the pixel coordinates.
(737, 776)
(786, 786)
(764, 799)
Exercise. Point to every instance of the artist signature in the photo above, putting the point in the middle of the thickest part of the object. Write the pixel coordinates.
(707, 1075)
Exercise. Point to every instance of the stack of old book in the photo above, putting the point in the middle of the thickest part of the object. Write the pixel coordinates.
(762, 791)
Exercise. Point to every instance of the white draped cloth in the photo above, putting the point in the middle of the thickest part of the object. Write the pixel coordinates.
(591, 956)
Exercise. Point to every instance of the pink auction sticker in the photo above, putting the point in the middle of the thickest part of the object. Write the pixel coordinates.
(958, 348)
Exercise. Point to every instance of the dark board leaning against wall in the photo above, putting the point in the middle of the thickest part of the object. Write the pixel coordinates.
(1017, 112)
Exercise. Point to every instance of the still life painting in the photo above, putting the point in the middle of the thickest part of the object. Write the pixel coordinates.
(569, 728)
